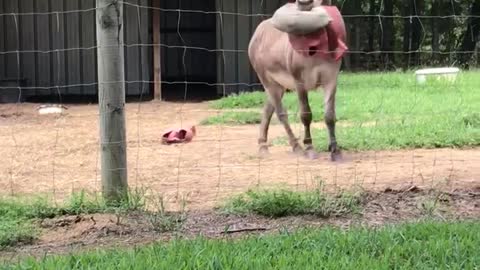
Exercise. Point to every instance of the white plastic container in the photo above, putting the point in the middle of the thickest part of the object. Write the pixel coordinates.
(447, 73)
(51, 109)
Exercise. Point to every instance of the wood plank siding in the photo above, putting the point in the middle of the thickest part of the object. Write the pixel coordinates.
(207, 46)
(51, 46)
(239, 20)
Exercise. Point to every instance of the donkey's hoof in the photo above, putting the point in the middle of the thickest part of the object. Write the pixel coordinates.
(263, 151)
(336, 155)
(332, 147)
(298, 150)
(311, 154)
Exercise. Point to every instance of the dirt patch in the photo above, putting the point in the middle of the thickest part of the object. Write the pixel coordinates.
(83, 228)
(56, 155)
(86, 232)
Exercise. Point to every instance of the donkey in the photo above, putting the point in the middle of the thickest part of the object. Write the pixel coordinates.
(280, 63)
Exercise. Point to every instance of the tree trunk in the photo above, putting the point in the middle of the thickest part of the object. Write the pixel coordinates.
(407, 25)
(417, 30)
(450, 37)
(435, 12)
(387, 42)
(413, 29)
(350, 58)
(371, 22)
(470, 37)
(357, 29)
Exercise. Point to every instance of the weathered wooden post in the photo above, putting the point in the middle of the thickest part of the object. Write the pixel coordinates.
(157, 65)
(111, 94)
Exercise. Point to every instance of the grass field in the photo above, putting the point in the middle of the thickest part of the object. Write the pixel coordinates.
(375, 112)
(426, 245)
(380, 111)
(280, 203)
(17, 225)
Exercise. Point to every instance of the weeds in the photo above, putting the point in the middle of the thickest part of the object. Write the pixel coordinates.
(163, 221)
(18, 216)
(472, 120)
(433, 205)
(15, 231)
(280, 203)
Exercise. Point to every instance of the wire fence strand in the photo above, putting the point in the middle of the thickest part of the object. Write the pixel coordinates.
(395, 131)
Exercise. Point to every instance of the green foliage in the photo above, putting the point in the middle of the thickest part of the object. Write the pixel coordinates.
(420, 32)
(15, 231)
(424, 245)
(428, 133)
(163, 221)
(243, 100)
(472, 120)
(279, 203)
(234, 118)
(378, 111)
(18, 215)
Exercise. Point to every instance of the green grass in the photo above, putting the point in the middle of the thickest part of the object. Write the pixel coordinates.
(370, 96)
(425, 245)
(280, 203)
(432, 132)
(18, 215)
(16, 224)
(403, 115)
(234, 118)
(240, 101)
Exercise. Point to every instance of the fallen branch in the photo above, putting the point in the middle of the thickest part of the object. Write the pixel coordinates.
(244, 230)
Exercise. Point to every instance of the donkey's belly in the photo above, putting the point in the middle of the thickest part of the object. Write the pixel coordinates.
(315, 72)
(284, 78)
(310, 79)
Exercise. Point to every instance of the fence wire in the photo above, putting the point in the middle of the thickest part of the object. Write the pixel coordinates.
(59, 154)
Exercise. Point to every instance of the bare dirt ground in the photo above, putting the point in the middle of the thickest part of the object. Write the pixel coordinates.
(64, 235)
(60, 154)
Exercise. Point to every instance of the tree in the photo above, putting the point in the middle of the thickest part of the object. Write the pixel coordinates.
(400, 26)
(387, 41)
(434, 25)
(470, 36)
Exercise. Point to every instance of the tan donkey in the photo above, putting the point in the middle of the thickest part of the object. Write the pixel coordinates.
(302, 60)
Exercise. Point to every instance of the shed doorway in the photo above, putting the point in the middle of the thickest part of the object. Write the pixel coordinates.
(191, 73)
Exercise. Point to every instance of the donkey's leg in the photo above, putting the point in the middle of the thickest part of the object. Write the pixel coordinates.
(268, 111)
(330, 118)
(276, 94)
(306, 117)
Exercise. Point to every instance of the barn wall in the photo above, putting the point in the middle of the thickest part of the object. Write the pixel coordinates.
(48, 45)
(188, 51)
(235, 26)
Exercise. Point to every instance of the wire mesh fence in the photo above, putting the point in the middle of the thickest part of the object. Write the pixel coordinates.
(393, 131)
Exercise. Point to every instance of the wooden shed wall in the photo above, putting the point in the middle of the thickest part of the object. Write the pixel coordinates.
(235, 28)
(59, 49)
(189, 48)
(207, 44)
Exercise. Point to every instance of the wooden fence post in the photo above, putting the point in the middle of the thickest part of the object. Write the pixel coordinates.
(157, 65)
(111, 99)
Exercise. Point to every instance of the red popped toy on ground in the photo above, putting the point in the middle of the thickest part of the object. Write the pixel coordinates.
(180, 135)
